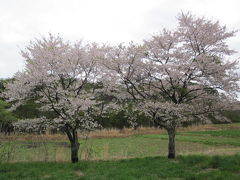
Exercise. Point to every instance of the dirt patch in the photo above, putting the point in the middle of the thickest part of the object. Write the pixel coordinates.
(79, 173)
(46, 176)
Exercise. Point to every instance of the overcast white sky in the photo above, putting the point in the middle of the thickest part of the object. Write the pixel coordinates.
(110, 21)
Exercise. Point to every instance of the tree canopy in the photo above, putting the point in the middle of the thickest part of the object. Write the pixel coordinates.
(175, 78)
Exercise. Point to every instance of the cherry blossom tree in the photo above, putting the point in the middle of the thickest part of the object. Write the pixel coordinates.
(60, 74)
(177, 77)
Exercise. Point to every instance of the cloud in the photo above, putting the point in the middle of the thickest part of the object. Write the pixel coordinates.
(102, 21)
(10, 60)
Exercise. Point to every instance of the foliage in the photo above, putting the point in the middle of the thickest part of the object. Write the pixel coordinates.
(6, 117)
(3, 83)
(59, 87)
(177, 77)
(37, 125)
(234, 116)
(31, 110)
(58, 74)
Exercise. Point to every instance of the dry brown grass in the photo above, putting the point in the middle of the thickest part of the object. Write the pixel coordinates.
(113, 133)
(105, 145)
(33, 137)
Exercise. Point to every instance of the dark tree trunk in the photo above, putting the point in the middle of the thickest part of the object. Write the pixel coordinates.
(74, 151)
(73, 137)
(171, 143)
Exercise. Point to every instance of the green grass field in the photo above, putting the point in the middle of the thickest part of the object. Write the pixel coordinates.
(211, 154)
(149, 168)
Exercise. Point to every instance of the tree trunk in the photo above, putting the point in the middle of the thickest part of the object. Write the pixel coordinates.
(73, 138)
(74, 151)
(171, 143)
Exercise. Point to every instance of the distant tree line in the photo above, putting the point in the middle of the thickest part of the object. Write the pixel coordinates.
(114, 119)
